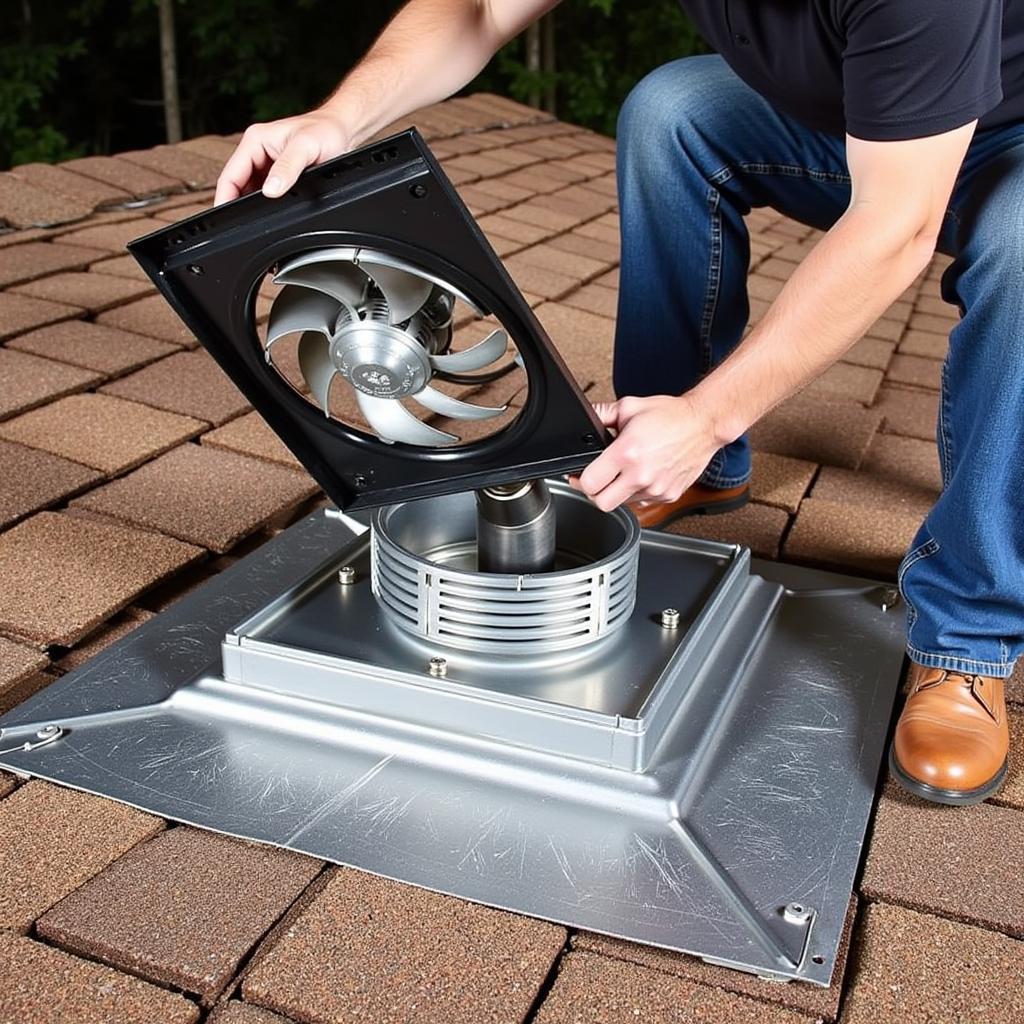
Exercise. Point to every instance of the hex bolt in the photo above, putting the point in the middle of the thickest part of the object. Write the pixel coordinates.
(438, 667)
(347, 574)
(797, 913)
(670, 618)
(47, 732)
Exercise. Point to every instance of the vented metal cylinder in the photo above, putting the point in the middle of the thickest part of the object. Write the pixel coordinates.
(425, 577)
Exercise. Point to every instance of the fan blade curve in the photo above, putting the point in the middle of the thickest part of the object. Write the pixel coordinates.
(393, 422)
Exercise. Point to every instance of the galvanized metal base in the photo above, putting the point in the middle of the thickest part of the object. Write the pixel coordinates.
(704, 788)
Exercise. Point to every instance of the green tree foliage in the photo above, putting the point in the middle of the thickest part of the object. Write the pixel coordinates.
(83, 76)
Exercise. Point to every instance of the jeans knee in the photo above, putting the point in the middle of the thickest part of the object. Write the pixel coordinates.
(662, 107)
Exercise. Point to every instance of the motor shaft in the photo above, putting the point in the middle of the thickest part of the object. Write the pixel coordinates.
(515, 528)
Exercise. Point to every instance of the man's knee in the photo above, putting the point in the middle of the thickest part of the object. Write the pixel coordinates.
(668, 103)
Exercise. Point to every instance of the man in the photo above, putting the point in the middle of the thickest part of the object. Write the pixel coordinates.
(898, 126)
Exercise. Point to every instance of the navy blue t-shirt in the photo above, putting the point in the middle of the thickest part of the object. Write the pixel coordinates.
(877, 69)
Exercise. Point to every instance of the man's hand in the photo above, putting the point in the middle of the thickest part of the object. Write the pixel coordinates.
(273, 155)
(662, 446)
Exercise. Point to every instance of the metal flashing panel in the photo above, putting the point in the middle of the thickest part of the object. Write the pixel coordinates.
(704, 788)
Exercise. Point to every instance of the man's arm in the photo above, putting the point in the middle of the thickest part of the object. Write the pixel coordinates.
(863, 264)
(430, 49)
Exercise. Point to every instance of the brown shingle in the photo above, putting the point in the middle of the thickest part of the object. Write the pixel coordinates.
(34, 479)
(593, 298)
(213, 147)
(27, 381)
(190, 383)
(243, 1013)
(593, 248)
(551, 221)
(26, 262)
(24, 206)
(111, 237)
(59, 180)
(851, 538)
(530, 278)
(1015, 684)
(22, 672)
(846, 381)
(580, 203)
(872, 352)
(594, 989)
(203, 495)
(40, 985)
(549, 258)
(936, 324)
(907, 412)
(779, 480)
(64, 575)
(758, 527)
(138, 181)
(1012, 793)
(92, 292)
(917, 969)
(980, 850)
(100, 431)
(119, 266)
(7, 784)
(370, 949)
(140, 914)
(115, 629)
(93, 346)
(583, 340)
(150, 316)
(191, 169)
(877, 492)
(55, 840)
(250, 435)
(820, 1003)
(907, 459)
(516, 230)
(915, 371)
(832, 433)
(924, 343)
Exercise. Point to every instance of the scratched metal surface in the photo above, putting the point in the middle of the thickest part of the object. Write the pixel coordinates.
(757, 798)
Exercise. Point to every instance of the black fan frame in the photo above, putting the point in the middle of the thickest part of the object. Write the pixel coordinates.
(393, 196)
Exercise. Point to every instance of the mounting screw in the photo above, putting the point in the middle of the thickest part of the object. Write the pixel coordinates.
(347, 574)
(890, 598)
(48, 732)
(670, 618)
(418, 191)
(797, 913)
(438, 667)
(194, 268)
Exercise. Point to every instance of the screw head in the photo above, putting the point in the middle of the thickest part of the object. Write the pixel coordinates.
(47, 732)
(347, 575)
(797, 913)
(890, 598)
(418, 191)
(439, 667)
(670, 618)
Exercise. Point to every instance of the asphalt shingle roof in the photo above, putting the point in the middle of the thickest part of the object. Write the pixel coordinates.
(116, 443)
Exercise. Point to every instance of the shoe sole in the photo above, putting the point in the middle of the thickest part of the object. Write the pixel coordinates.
(711, 508)
(953, 797)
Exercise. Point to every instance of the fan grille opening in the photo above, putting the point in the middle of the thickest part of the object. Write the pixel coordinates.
(388, 349)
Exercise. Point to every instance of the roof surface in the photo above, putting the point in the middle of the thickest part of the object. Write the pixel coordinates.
(132, 470)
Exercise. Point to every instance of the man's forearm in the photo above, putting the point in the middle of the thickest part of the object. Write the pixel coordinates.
(847, 281)
(430, 50)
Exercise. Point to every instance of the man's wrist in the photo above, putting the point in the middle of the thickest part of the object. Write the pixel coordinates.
(723, 422)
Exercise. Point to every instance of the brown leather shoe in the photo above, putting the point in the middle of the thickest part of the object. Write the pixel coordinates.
(698, 500)
(952, 739)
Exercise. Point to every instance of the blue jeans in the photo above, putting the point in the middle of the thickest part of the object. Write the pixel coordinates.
(697, 149)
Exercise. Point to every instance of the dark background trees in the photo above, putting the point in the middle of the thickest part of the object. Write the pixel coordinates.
(88, 76)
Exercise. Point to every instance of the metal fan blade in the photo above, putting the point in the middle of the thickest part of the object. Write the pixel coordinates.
(393, 422)
(332, 277)
(316, 366)
(404, 290)
(438, 401)
(299, 309)
(476, 358)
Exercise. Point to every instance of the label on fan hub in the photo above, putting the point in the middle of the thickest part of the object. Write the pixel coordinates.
(382, 382)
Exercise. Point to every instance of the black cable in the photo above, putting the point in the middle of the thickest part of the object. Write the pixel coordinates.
(482, 378)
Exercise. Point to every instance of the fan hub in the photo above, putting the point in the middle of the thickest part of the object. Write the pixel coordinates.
(380, 360)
